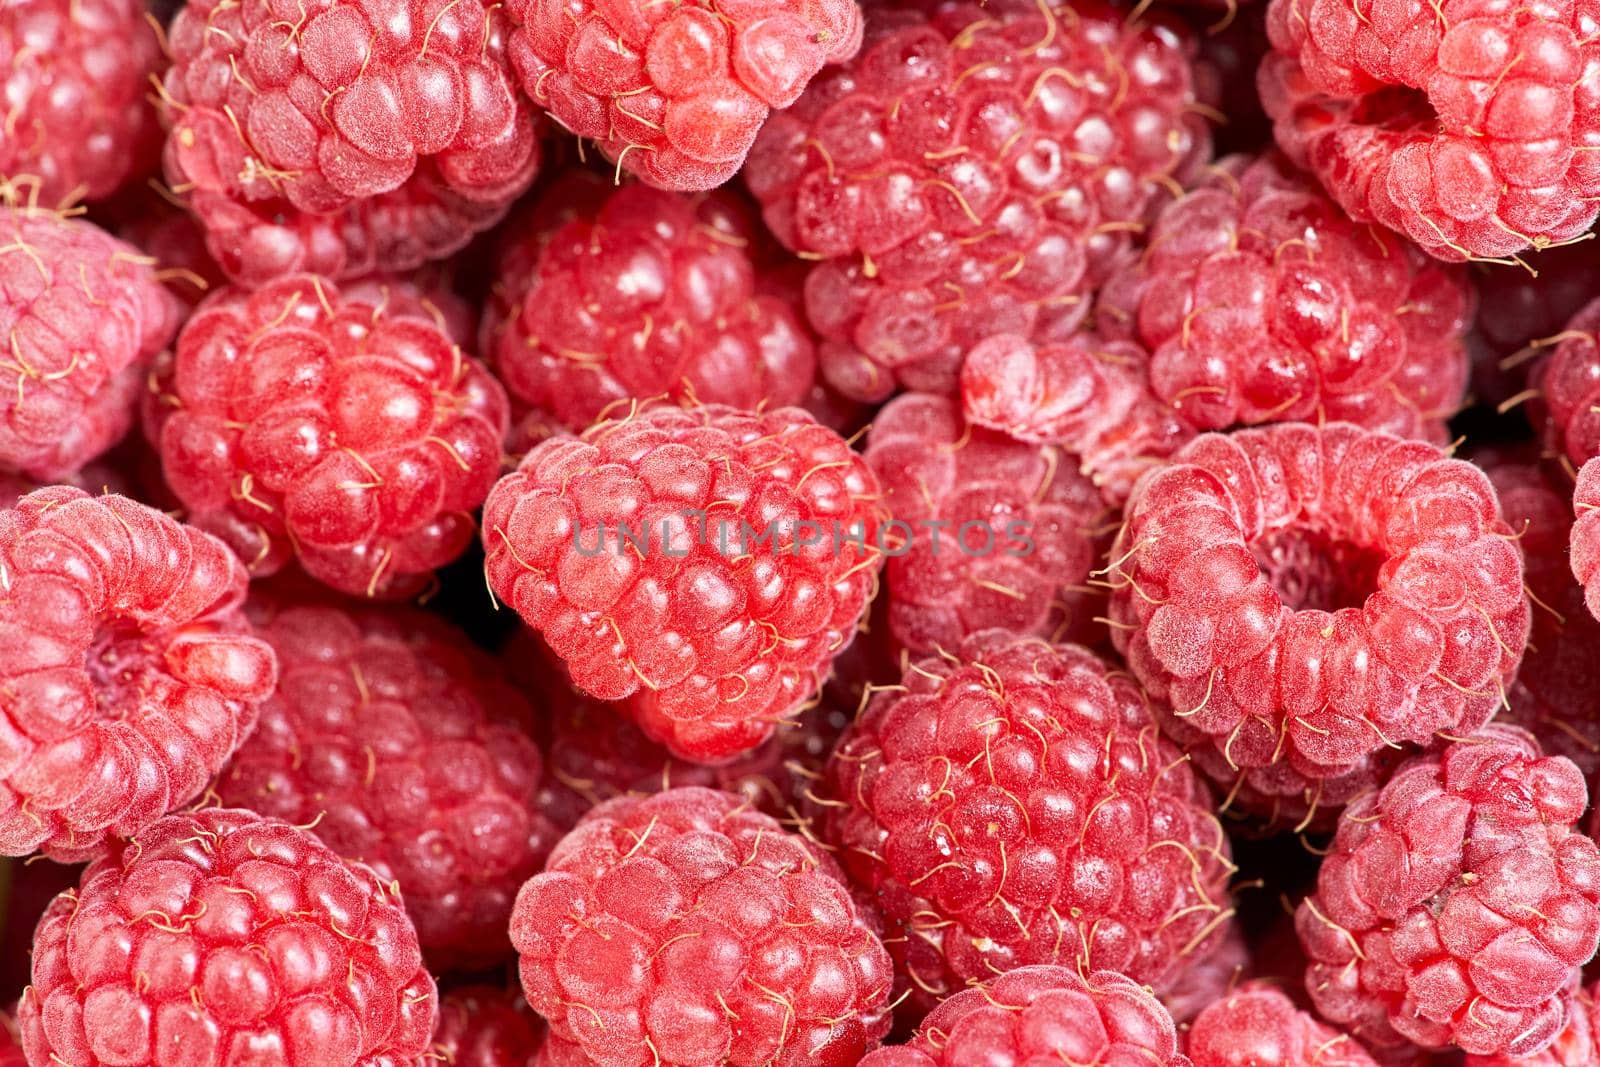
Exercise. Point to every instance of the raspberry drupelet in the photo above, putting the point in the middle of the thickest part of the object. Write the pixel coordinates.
(687, 928)
(1472, 127)
(339, 137)
(82, 314)
(640, 293)
(223, 937)
(347, 431)
(1577, 1046)
(1013, 804)
(705, 562)
(1260, 301)
(1257, 1026)
(976, 170)
(75, 84)
(1585, 543)
(485, 1026)
(1039, 1015)
(1001, 532)
(1458, 904)
(406, 747)
(675, 93)
(1304, 599)
(128, 674)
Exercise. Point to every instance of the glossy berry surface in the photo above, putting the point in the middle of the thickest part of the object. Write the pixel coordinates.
(1470, 128)
(1458, 903)
(1577, 1046)
(1039, 1015)
(82, 313)
(976, 170)
(339, 137)
(688, 928)
(675, 93)
(408, 750)
(485, 1026)
(640, 293)
(129, 674)
(223, 937)
(1013, 804)
(662, 557)
(347, 431)
(1307, 597)
(1257, 1026)
(1585, 543)
(1260, 301)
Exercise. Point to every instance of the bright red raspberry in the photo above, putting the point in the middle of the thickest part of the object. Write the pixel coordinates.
(484, 1026)
(340, 137)
(1585, 543)
(75, 87)
(1260, 301)
(1473, 128)
(976, 170)
(1257, 1026)
(1012, 804)
(410, 746)
(1305, 598)
(1458, 903)
(639, 293)
(993, 532)
(687, 928)
(675, 93)
(1041, 1015)
(83, 313)
(1577, 1046)
(223, 937)
(343, 429)
(708, 563)
(128, 675)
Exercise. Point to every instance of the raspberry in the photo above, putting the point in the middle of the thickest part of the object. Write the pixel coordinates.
(976, 170)
(1039, 1015)
(675, 93)
(1258, 1026)
(1458, 903)
(1305, 598)
(129, 674)
(1088, 394)
(1260, 301)
(77, 121)
(699, 560)
(1585, 544)
(640, 293)
(223, 937)
(1013, 523)
(344, 430)
(338, 138)
(1576, 1046)
(485, 1026)
(1012, 805)
(1471, 128)
(83, 313)
(400, 734)
(1567, 381)
(687, 928)
(1210, 979)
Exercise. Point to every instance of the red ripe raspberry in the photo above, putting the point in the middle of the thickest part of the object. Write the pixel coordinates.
(675, 93)
(640, 293)
(1260, 301)
(701, 558)
(401, 735)
(1209, 979)
(338, 137)
(223, 937)
(1577, 1046)
(1458, 903)
(349, 432)
(1567, 381)
(1257, 1026)
(1306, 597)
(1041, 1015)
(688, 928)
(996, 533)
(1472, 128)
(129, 674)
(484, 1026)
(1585, 543)
(84, 313)
(976, 170)
(78, 122)
(1012, 805)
